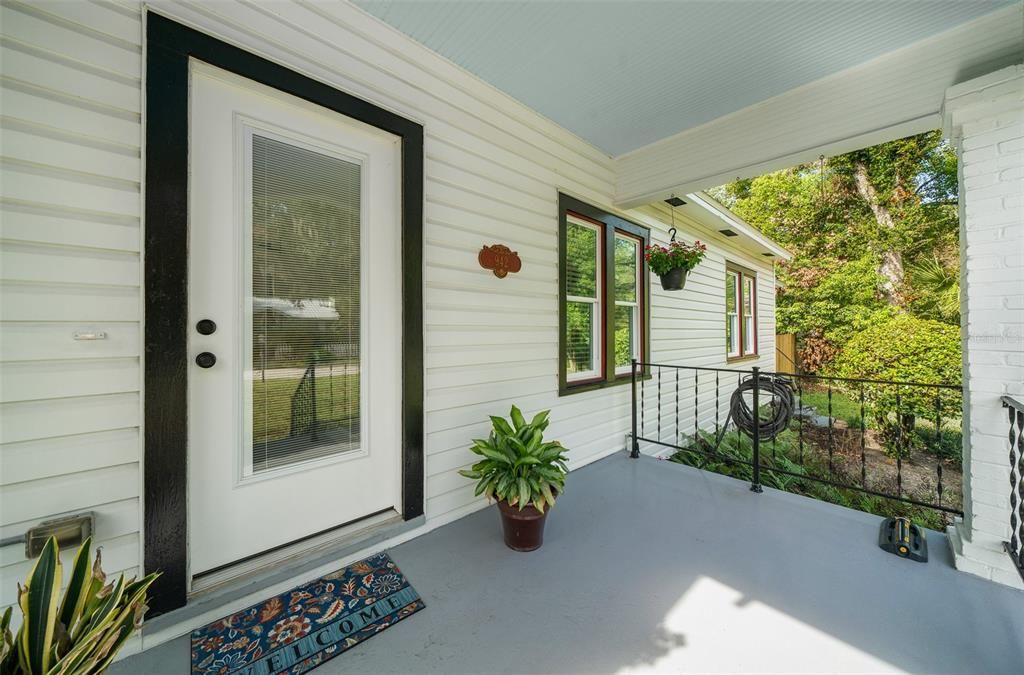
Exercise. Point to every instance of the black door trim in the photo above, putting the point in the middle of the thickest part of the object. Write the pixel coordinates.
(169, 47)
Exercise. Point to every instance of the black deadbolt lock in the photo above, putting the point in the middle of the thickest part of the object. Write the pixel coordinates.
(206, 360)
(206, 327)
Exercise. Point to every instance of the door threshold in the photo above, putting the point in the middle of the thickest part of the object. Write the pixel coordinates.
(239, 592)
(289, 553)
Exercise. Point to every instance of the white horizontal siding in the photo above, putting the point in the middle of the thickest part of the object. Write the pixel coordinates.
(31, 301)
(41, 380)
(42, 458)
(688, 329)
(51, 340)
(72, 239)
(30, 142)
(30, 420)
(70, 168)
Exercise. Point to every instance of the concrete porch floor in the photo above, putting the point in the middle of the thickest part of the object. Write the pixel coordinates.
(653, 566)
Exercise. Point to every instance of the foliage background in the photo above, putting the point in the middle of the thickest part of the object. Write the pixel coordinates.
(875, 236)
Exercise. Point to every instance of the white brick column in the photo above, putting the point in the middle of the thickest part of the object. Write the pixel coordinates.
(984, 119)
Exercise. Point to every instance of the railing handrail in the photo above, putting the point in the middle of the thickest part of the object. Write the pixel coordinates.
(1015, 546)
(808, 376)
(1011, 402)
(747, 417)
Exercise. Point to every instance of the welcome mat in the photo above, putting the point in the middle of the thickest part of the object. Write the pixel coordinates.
(298, 630)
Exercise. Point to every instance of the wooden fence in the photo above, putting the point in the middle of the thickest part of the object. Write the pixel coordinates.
(785, 354)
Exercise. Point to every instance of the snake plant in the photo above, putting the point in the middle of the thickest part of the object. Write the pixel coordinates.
(79, 633)
(518, 467)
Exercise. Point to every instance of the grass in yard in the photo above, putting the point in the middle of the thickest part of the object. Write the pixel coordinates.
(337, 400)
(843, 407)
(946, 444)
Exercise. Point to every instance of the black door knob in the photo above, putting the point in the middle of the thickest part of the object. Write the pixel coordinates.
(206, 360)
(206, 327)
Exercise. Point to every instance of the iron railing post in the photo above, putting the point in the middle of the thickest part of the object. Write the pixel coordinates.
(635, 450)
(312, 384)
(755, 484)
(1015, 546)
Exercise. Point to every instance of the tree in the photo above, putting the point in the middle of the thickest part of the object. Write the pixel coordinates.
(900, 182)
(874, 234)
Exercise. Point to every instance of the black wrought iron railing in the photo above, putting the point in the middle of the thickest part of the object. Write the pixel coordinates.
(304, 405)
(1015, 546)
(878, 445)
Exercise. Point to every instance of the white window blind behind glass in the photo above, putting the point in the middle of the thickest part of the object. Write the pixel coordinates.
(305, 321)
(732, 322)
(582, 307)
(748, 315)
(627, 305)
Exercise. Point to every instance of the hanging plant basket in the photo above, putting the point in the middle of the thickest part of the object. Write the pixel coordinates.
(674, 280)
(673, 263)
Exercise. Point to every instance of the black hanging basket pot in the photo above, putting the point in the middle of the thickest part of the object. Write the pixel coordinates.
(674, 280)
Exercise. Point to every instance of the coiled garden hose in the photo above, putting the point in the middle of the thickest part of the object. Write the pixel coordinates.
(775, 392)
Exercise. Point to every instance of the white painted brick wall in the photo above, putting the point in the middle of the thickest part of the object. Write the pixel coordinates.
(984, 118)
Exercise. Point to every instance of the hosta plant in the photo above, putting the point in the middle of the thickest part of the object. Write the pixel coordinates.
(79, 633)
(517, 465)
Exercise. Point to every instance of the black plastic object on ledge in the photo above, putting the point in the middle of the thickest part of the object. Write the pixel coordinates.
(904, 538)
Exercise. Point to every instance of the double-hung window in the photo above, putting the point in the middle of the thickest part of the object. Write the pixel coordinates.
(583, 294)
(603, 291)
(740, 312)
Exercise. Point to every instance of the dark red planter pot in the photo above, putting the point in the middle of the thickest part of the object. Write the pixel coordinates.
(524, 530)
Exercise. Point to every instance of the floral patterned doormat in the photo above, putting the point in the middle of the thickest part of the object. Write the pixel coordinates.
(298, 630)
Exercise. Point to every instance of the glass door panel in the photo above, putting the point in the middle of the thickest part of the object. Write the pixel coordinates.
(304, 315)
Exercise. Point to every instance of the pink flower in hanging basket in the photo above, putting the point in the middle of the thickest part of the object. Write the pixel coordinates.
(677, 255)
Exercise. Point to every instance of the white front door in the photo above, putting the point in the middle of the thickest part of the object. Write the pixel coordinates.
(294, 420)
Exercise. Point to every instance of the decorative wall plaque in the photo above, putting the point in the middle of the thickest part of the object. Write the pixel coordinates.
(500, 259)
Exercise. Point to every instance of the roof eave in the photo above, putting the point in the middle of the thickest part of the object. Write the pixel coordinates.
(750, 234)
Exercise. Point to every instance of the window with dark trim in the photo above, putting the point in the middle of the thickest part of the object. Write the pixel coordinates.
(740, 312)
(603, 289)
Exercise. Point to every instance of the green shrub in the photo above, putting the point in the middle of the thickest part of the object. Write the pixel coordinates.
(904, 349)
(947, 443)
(828, 302)
(899, 437)
(735, 453)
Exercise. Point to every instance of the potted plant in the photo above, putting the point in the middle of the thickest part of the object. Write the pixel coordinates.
(80, 633)
(673, 262)
(522, 472)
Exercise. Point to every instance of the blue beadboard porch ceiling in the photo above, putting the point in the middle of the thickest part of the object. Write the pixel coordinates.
(622, 74)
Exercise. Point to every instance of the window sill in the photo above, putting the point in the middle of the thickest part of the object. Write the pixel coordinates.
(583, 382)
(742, 359)
(569, 388)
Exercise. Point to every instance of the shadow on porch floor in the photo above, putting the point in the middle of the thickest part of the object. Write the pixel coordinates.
(653, 566)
